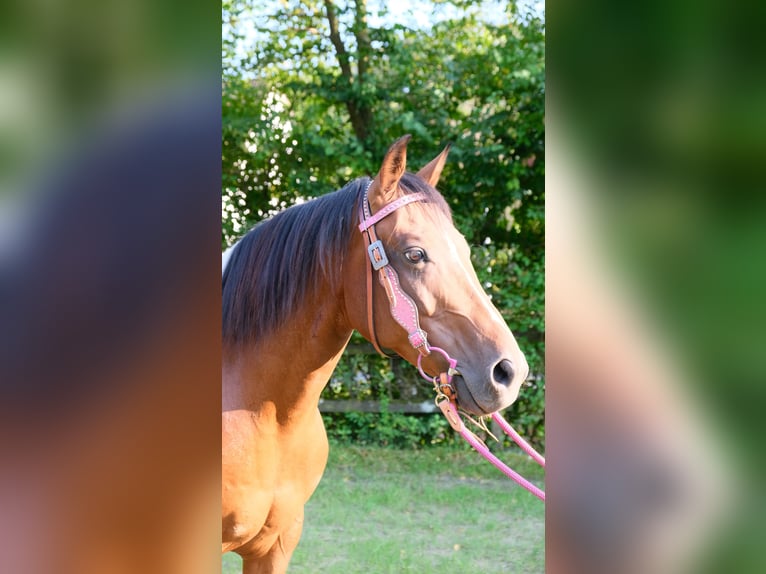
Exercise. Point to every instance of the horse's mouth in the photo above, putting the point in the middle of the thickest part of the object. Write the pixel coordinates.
(466, 400)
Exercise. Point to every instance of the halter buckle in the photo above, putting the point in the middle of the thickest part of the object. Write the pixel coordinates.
(380, 259)
(419, 340)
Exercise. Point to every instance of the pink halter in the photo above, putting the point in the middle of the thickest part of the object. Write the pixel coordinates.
(405, 312)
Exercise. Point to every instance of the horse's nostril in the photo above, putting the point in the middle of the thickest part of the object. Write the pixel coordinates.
(503, 372)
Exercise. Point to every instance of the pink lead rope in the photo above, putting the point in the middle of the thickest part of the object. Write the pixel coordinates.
(517, 438)
(445, 400)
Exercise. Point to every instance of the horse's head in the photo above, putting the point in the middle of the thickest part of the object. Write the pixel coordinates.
(433, 263)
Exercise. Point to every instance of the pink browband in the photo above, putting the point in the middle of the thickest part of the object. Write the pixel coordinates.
(390, 208)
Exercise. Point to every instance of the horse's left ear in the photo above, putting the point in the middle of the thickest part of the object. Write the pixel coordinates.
(431, 172)
(391, 171)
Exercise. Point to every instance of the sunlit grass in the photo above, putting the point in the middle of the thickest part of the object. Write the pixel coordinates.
(446, 510)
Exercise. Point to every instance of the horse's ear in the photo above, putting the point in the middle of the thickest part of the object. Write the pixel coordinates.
(430, 173)
(391, 171)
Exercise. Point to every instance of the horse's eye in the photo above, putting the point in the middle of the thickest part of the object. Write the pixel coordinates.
(415, 255)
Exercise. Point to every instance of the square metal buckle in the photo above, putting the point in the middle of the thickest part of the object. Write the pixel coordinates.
(377, 263)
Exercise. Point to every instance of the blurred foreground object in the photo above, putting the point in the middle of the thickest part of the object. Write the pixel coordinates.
(110, 352)
(634, 476)
(657, 208)
(109, 296)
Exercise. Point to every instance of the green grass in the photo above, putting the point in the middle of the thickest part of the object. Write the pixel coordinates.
(434, 510)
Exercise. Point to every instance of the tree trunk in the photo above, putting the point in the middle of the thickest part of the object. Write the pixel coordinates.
(360, 113)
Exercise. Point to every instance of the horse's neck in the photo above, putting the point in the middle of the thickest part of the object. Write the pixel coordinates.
(287, 370)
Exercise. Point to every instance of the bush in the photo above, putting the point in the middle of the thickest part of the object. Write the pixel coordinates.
(395, 430)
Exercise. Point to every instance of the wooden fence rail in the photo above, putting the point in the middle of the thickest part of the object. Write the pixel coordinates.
(351, 405)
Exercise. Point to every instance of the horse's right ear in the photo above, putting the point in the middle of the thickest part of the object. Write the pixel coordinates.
(391, 171)
(430, 173)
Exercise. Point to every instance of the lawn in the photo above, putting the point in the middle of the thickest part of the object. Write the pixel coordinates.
(440, 510)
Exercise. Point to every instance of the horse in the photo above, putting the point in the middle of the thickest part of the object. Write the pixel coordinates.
(295, 287)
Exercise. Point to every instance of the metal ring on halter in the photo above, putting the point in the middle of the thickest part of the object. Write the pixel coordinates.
(451, 371)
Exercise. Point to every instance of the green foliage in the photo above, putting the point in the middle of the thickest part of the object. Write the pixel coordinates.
(288, 130)
(394, 430)
(520, 298)
(304, 112)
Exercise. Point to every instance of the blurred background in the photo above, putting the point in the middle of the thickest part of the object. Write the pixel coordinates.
(655, 217)
(109, 319)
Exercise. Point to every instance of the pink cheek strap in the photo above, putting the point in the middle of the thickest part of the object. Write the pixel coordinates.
(404, 310)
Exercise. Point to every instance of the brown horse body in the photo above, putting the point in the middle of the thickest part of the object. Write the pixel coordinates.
(274, 442)
(281, 345)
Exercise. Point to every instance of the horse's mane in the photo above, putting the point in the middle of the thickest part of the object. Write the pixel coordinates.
(281, 261)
